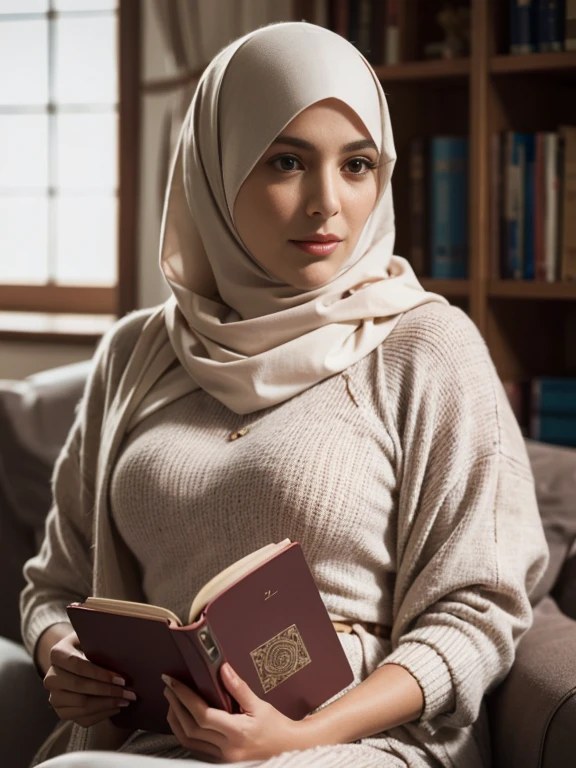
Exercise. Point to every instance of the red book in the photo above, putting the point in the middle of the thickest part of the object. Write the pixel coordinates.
(263, 614)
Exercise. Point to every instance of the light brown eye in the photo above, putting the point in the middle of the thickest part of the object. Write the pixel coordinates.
(359, 166)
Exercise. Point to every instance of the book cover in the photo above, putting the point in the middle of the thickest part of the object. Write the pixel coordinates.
(550, 25)
(271, 625)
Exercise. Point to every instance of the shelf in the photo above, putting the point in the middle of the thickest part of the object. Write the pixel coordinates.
(457, 288)
(534, 62)
(424, 70)
(527, 289)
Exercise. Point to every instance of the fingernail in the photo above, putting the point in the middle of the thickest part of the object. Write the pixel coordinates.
(118, 681)
(122, 703)
(168, 680)
(129, 695)
(231, 674)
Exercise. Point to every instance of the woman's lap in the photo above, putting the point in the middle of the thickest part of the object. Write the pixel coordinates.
(324, 757)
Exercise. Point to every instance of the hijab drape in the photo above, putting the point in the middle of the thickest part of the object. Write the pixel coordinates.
(230, 327)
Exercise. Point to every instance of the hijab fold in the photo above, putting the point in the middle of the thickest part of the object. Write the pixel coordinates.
(230, 327)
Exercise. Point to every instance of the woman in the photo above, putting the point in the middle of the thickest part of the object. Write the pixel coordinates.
(299, 383)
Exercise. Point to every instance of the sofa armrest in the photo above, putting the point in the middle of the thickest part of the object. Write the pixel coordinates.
(533, 712)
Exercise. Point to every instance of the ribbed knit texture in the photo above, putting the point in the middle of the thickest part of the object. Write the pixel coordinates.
(407, 483)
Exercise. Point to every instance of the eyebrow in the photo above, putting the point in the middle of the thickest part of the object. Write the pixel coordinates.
(353, 146)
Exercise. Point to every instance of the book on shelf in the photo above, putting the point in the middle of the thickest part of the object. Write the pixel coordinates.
(553, 410)
(540, 25)
(533, 207)
(448, 185)
(371, 25)
(263, 614)
(418, 208)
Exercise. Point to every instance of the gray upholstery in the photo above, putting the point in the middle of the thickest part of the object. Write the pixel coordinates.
(532, 713)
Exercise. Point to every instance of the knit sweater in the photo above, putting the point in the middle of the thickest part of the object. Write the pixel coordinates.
(405, 479)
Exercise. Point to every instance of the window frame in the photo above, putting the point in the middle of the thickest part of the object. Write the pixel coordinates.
(116, 300)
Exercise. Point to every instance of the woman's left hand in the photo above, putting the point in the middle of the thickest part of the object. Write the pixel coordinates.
(259, 732)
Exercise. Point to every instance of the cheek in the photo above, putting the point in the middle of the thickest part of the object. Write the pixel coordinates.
(360, 204)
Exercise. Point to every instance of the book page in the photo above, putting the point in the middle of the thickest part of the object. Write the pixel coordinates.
(127, 608)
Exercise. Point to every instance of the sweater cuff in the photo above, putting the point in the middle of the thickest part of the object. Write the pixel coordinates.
(42, 619)
(430, 672)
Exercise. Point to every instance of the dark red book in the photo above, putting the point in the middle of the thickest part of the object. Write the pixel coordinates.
(263, 614)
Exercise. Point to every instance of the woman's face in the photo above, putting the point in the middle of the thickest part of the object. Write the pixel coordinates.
(318, 178)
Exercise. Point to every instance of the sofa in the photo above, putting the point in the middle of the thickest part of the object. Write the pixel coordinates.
(532, 713)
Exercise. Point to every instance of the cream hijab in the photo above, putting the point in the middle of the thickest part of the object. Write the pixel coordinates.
(229, 327)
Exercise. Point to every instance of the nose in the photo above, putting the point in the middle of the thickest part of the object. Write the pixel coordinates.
(323, 199)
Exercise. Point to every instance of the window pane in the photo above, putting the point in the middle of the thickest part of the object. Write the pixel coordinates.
(85, 5)
(23, 151)
(24, 54)
(23, 6)
(86, 61)
(24, 240)
(87, 146)
(86, 251)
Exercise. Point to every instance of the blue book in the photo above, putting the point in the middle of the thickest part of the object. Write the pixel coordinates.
(554, 396)
(449, 207)
(529, 140)
(522, 26)
(560, 430)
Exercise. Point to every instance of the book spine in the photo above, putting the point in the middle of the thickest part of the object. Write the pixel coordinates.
(439, 208)
(568, 257)
(321, 13)
(364, 27)
(417, 207)
(514, 203)
(202, 667)
(522, 26)
(392, 32)
(353, 22)
(495, 204)
(338, 17)
(529, 207)
(551, 205)
(554, 21)
(559, 430)
(377, 32)
(505, 204)
(539, 265)
(570, 26)
(459, 208)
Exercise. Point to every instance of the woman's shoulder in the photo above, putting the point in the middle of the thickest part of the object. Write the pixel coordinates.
(118, 342)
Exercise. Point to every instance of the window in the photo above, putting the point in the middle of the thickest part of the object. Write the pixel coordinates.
(66, 244)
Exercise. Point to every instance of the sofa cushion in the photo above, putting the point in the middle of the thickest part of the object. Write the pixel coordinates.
(554, 469)
(565, 589)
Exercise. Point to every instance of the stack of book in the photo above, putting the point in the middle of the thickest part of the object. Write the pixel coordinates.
(533, 198)
(439, 207)
(545, 408)
(371, 25)
(542, 25)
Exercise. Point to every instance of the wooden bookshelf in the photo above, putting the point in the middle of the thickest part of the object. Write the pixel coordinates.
(529, 326)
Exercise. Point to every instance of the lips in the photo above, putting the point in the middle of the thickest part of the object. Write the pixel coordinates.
(317, 248)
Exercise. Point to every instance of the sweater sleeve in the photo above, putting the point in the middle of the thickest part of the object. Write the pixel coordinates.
(62, 571)
(470, 547)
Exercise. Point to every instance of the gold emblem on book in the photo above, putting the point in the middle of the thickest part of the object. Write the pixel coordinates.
(280, 657)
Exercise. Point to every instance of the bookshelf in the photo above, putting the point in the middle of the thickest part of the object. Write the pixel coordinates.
(529, 326)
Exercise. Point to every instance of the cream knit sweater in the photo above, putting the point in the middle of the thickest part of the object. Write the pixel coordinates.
(406, 481)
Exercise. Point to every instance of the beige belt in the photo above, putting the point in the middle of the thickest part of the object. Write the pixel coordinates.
(374, 629)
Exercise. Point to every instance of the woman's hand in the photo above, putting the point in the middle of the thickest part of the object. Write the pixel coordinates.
(82, 691)
(259, 732)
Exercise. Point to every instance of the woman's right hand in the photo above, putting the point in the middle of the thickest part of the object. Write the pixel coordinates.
(79, 690)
